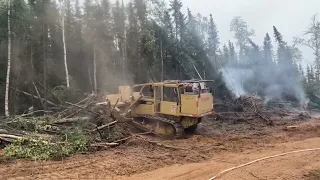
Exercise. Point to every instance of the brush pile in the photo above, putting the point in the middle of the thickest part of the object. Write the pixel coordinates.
(252, 107)
(90, 124)
(241, 104)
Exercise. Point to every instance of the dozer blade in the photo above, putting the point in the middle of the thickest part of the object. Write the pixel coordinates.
(128, 109)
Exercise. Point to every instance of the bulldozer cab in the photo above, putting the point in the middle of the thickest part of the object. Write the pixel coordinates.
(189, 98)
(167, 108)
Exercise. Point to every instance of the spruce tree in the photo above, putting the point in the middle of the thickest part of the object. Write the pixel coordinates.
(267, 50)
(283, 51)
(213, 40)
(175, 8)
(232, 54)
(226, 55)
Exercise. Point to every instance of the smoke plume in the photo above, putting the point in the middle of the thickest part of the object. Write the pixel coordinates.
(272, 81)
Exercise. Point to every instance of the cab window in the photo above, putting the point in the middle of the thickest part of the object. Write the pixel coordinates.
(170, 94)
(147, 91)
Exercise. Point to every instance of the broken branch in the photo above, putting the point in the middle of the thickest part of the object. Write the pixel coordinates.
(104, 126)
(31, 95)
(83, 108)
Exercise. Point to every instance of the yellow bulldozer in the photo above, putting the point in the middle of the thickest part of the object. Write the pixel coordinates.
(170, 108)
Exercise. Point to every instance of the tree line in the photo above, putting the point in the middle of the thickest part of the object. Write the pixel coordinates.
(51, 49)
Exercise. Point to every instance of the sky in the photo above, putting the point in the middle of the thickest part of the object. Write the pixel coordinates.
(291, 17)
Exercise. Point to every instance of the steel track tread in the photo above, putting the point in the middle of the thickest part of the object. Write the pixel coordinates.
(178, 127)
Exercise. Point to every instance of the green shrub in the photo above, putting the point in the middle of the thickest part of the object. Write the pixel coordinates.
(45, 148)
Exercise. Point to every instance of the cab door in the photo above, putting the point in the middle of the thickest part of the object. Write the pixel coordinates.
(158, 98)
(170, 101)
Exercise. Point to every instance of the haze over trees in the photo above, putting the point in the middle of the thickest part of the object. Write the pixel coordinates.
(63, 48)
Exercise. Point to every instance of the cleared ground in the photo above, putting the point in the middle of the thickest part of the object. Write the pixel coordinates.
(218, 145)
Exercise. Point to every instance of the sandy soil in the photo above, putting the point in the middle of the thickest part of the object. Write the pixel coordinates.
(294, 166)
(215, 147)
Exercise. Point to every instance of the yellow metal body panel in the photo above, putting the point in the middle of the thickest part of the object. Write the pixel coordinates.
(169, 108)
(189, 104)
(144, 109)
(193, 105)
(205, 103)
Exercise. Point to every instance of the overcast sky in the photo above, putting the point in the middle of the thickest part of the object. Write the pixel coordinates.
(291, 17)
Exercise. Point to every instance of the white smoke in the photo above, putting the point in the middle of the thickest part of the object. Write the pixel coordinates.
(270, 81)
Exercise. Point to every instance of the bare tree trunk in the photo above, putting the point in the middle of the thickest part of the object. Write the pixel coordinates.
(94, 70)
(161, 54)
(32, 67)
(123, 64)
(90, 79)
(31, 60)
(44, 31)
(6, 103)
(64, 45)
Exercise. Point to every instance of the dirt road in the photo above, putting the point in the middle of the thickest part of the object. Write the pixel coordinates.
(196, 157)
(293, 166)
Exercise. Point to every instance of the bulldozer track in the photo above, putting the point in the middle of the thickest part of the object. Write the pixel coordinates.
(179, 130)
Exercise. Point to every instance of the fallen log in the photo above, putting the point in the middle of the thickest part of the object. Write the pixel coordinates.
(79, 110)
(14, 137)
(104, 144)
(104, 126)
(10, 136)
(291, 128)
(133, 136)
(31, 95)
(53, 95)
(83, 108)
(32, 113)
(38, 94)
(69, 108)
